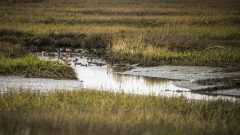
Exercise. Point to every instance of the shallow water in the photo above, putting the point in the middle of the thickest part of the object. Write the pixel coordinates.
(111, 79)
(104, 77)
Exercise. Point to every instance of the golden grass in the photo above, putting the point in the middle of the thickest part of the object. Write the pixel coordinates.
(182, 25)
(94, 112)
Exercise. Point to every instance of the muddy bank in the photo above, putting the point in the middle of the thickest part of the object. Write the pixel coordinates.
(188, 73)
(188, 77)
(96, 73)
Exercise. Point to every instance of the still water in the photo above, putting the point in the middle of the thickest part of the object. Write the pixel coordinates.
(110, 78)
(99, 75)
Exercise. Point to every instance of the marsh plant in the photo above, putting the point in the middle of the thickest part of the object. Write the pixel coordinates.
(16, 60)
(148, 32)
(97, 112)
(181, 32)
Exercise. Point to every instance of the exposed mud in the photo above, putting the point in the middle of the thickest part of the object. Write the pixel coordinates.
(95, 73)
(188, 76)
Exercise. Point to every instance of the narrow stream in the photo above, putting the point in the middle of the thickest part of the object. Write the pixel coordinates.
(102, 76)
(110, 78)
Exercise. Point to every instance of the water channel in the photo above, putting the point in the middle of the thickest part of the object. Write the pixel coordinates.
(100, 75)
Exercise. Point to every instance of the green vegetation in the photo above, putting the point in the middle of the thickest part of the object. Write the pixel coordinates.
(15, 60)
(149, 32)
(94, 112)
(31, 66)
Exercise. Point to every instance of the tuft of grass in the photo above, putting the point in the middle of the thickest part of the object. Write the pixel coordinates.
(94, 112)
(31, 66)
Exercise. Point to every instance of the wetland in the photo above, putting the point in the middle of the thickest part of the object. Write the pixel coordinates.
(119, 67)
(96, 73)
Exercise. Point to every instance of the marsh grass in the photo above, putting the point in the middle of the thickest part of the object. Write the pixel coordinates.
(148, 55)
(149, 32)
(31, 66)
(16, 59)
(175, 32)
(95, 112)
(11, 50)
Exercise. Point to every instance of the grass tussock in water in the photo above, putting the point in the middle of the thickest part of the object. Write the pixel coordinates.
(31, 66)
(15, 59)
(93, 112)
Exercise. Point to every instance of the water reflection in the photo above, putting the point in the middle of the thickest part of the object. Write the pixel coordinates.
(109, 78)
(104, 77)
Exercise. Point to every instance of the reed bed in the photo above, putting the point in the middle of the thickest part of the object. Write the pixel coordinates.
(94, 112)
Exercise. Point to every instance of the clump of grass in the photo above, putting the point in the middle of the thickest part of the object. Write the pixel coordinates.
(31, 66)
(95, 112)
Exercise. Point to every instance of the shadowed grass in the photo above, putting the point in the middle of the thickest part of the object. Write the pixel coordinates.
(94, 112)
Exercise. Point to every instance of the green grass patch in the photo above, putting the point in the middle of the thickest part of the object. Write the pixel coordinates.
(31, 66)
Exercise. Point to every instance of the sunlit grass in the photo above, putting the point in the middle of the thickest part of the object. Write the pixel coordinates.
(139, 52)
